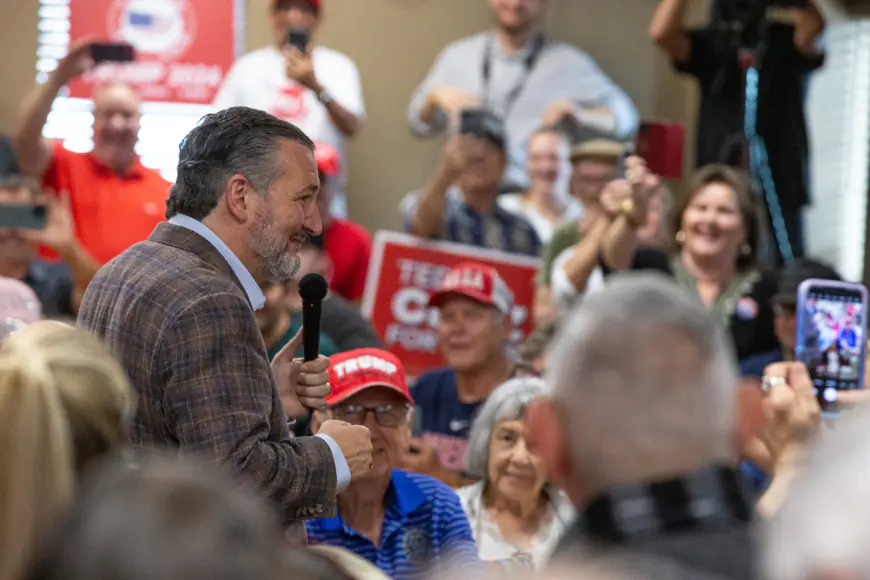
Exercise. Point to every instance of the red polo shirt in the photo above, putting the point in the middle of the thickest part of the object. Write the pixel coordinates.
(349, 247)
(111, 212)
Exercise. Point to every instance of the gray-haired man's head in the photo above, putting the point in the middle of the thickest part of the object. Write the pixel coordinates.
(643, 385)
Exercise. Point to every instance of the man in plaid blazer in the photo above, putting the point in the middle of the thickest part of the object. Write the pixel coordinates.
(178, 310)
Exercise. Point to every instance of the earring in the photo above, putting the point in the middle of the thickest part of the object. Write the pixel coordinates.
(745, 249)
(680, 237)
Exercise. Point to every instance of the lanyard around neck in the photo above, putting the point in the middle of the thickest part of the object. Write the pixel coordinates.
(528, 65)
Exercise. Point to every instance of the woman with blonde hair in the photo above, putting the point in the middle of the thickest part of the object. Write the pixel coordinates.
(64, 401)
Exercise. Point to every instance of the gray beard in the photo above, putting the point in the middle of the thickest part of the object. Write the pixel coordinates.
(269, 247)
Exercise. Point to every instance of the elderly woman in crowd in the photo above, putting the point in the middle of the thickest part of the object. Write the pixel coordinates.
(516, 515)
(64, 402)
(716, 224)
(404, 523)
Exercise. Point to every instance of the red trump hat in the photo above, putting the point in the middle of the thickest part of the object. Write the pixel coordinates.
(356, 370)
(478, 282)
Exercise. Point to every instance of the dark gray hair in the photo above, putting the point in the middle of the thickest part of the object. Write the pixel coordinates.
(506, 403)
(238, 140)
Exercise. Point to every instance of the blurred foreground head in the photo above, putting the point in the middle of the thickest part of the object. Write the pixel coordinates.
(64, 403)
(166, 519)
(643, 387)
(822, 530)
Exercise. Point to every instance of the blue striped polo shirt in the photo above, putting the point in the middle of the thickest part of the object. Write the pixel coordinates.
(424, 526)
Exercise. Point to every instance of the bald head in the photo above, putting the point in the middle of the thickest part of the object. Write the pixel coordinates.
(116, 124)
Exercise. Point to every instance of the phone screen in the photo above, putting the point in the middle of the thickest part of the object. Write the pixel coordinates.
(298, 39)
(112, 52)
(832, 337)
(23, 216)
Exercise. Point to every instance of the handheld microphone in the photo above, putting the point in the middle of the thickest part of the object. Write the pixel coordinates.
(312, 290)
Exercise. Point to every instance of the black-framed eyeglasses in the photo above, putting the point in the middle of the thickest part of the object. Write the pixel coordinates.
(388, 415)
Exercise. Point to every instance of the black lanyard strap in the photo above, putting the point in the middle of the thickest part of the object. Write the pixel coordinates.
(528, 65)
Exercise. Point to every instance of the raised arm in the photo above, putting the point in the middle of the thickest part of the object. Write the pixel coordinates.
(667, 31)
(219, 389)
(435, 103)
(427, 215)
(32, 149)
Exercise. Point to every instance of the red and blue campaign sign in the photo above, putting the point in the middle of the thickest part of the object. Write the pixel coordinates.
(184, 48)
(405, 270)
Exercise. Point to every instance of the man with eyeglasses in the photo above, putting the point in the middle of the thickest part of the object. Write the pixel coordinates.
(404, 523)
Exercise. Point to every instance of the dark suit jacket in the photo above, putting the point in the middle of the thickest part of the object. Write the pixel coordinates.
(178, 319)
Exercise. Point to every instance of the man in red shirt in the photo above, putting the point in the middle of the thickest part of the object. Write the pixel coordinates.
(348, 244)
(115, 200)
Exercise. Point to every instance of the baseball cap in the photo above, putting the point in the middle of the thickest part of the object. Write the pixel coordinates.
(795, 273)
(356, 370)
(327, 157)
(600, 149)
(19, 306)
(478, 282)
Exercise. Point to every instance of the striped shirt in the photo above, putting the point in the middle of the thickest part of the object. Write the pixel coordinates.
(424, 526)
(499, 230)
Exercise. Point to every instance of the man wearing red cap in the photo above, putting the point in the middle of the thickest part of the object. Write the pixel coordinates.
(347, 243)
(404, 523)
(318, 89)
(474, 326)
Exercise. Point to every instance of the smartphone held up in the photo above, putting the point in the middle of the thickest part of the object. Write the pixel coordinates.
(298, 39)
(832, 337)
(112, 52)
(23, 216)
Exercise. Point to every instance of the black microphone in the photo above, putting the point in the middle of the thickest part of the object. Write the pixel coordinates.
(312, 290)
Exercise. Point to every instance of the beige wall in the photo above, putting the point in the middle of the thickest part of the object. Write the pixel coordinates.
(17, 55)
(393, 43)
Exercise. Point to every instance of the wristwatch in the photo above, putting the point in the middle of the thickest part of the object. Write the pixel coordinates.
(324, 97)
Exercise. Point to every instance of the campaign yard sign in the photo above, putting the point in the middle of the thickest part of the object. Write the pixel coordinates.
(405, 270)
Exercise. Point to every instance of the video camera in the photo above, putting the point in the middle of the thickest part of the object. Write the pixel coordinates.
(747, 18)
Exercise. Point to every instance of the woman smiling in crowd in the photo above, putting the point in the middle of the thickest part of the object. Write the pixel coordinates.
(515, 514)
(716, 257)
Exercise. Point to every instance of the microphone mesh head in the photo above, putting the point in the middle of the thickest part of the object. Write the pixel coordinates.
(313, 288)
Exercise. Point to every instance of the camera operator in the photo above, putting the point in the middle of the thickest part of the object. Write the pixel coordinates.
(781, 36)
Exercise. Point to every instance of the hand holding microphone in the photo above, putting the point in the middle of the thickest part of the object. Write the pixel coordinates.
(304, 384)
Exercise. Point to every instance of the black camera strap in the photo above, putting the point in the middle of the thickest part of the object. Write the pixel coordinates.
(528, 64)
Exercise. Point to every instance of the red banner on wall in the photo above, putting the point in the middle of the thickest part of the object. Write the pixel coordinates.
(184, 48)
(405, 270)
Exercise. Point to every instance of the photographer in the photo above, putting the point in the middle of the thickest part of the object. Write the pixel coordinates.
(458, 204)
(780, 35)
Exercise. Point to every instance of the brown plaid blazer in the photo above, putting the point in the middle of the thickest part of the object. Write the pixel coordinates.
(178, 319)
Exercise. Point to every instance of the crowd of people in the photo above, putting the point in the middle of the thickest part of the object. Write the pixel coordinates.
(160, 418)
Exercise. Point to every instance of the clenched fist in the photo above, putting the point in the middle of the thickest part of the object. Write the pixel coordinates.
(355, 443)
